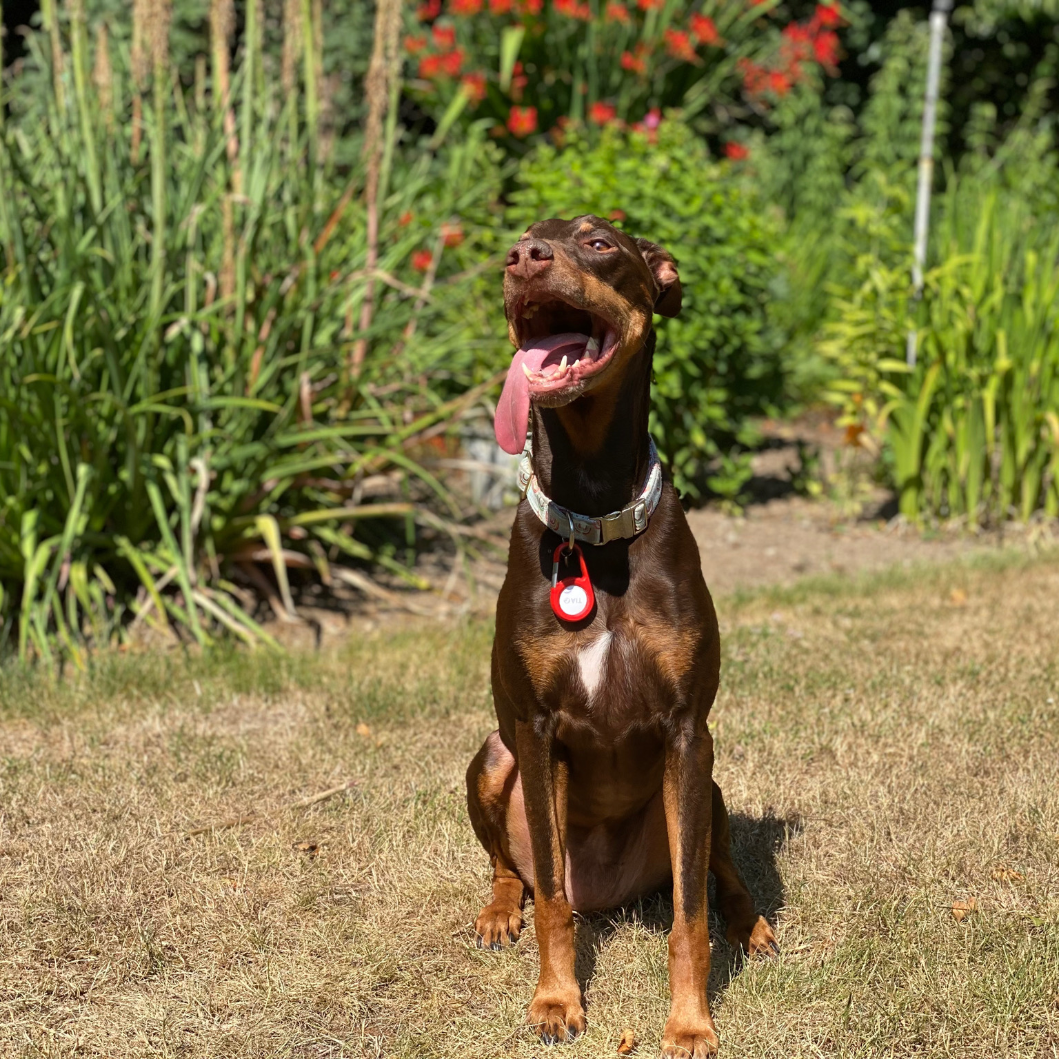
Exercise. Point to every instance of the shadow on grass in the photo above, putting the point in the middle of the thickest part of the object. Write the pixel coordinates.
(757, 842)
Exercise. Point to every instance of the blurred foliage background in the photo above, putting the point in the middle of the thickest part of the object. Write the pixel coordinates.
(250, 293)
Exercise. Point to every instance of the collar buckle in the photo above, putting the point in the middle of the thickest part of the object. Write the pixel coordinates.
(623, 523)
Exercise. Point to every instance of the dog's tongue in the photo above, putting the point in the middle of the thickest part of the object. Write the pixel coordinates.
(512, 410)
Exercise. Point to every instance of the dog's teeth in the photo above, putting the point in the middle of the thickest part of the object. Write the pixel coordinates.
(529, 374)
(562, 365)
(592, 346)
(576, 362)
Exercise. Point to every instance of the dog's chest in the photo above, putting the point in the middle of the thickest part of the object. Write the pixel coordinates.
(621, 677)
(592, 659)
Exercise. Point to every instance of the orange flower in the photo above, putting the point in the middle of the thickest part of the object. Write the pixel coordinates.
(518, 82)
(825, 48)
(704, 29)
(797, 41)
(474, 85)
(414, 45)
(422, 260)
(451, 234)
(648, 5)
(826, 15)
(444, 36)
(532, 7)
(465, 8)
(405, 219)
(616, 13)
(601, 113)
(452, 63)
(428, 11)
(634, 63)
(499, 7)
(572, 9)
(755, 78)
(616, 215)
(736, 151)
(678, 44)
(779, 82)
(430, 67)
(521, 121)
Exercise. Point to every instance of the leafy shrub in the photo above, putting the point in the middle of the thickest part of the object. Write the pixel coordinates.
(717, 363)
(184, 392)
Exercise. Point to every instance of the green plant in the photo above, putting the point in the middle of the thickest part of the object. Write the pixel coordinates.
(184, 391)
(343, 36)
(974, 428)
(533, 65)
(716, 364)
(825, 158)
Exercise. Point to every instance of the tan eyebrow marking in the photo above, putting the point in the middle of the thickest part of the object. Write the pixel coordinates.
(586, 226)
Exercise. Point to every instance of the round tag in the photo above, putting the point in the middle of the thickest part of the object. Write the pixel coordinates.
(572, 600)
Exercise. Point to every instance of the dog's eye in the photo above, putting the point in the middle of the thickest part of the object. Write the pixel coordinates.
(601, 245)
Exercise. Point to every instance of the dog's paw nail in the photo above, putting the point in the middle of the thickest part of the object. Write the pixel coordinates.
(496, 946)
(548, 1039)
(774, 946)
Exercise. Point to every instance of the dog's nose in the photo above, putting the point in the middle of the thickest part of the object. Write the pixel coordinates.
(529, 257)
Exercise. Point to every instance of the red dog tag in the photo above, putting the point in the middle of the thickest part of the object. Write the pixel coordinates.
(572, 598)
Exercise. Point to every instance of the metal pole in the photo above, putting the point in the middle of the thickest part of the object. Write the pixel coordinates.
(939, 17)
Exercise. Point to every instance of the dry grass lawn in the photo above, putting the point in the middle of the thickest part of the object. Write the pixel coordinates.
(889, 747)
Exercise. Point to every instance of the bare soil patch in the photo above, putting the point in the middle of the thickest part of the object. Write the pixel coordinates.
(778, 542)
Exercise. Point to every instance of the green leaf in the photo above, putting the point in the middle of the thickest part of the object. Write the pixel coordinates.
(511, 38)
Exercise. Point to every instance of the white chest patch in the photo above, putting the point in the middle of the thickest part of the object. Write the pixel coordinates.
(592, 662)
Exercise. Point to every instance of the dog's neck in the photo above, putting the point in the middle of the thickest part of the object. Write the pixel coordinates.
(592, 455)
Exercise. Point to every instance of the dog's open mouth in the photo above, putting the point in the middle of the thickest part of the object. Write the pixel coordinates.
(560, 348)
(561, 345)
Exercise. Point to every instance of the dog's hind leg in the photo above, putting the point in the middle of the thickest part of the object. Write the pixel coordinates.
(745, 926)
(494, 795)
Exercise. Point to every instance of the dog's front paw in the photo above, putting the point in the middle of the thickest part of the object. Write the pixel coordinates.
(557, 1016)
(689, 1041)
(756, 938)
(497, 925)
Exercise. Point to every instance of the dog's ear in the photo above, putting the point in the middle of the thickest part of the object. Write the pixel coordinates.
(664, 270)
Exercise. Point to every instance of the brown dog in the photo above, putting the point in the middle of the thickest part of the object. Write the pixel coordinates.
(597, 786)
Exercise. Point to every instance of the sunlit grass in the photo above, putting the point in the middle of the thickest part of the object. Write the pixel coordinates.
(886, 750)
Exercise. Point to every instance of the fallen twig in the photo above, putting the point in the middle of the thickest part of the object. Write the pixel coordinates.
(314, 799)
(249, 818)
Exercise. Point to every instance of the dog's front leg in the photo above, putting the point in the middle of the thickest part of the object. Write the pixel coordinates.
(556, 1009)
(688, 796)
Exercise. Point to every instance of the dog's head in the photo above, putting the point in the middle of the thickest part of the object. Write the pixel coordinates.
(578, 296)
